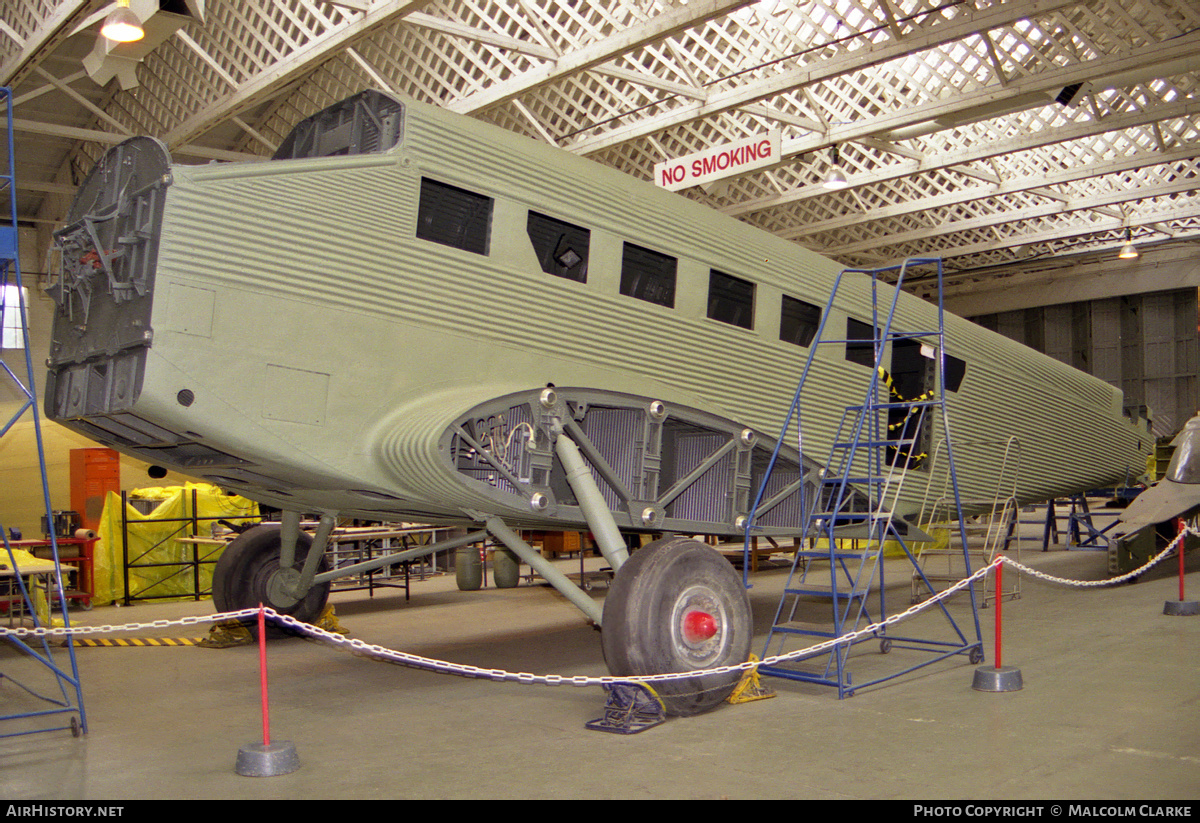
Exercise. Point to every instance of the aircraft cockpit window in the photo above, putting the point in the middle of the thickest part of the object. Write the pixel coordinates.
(798, 321)
(730, 299)
(1185, 462)
(561, 248)
(454, 217)
(648, 275)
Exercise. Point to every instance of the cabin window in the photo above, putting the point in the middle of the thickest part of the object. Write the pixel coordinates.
(454, 217)
(561, 248)
(730, 299)
(860, 343)
(956, 370)
(798, 321)
(648, 275)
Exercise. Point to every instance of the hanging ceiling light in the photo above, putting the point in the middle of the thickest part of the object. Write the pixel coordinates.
(122, 25)
(1128, 251)
(835, 179)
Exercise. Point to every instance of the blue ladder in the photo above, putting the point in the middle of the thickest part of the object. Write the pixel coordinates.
(852, 510)
(69, 702)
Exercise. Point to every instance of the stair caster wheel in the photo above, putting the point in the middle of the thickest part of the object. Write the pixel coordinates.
(885, 645)
(677, 605)
(976, 655)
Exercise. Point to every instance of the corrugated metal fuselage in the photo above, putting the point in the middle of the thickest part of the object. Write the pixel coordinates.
(301, 329)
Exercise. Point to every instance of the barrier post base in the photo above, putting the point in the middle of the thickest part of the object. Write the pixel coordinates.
(997, 679)
(267, 760)
(1182, 608)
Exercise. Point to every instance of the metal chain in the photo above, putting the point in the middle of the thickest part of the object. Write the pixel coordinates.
(1112, 581)
(462, 670)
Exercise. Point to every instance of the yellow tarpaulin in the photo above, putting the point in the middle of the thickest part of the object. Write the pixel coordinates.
(27, 565)
(160, 538)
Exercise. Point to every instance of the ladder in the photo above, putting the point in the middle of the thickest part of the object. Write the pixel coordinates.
(994, 530)
(851, 512)
(46, 711)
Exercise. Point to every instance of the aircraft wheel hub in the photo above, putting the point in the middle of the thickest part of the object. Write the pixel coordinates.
(697, 625)
(281, 588)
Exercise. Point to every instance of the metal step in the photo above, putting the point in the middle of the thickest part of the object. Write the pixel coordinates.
(828, 593)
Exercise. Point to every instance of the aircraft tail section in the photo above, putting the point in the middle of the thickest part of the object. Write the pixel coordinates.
(105, 287)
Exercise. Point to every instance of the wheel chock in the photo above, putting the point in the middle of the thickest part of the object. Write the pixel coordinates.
(225, 635)
(329, 622)
(750, 687)
(630, 708)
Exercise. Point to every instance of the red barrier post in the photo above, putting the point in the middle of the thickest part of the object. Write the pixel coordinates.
(262, 673)
(999, 600)
(998, 678)
(265, 759)
(1179, 528)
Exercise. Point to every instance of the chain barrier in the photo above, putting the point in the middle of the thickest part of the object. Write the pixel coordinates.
(464, 670)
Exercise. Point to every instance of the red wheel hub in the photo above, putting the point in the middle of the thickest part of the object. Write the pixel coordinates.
(698, 626)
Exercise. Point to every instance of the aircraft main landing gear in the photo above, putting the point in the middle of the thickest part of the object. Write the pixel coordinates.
(677, 605)
(249, 572)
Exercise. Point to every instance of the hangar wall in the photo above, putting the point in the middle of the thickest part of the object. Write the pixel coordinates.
(1145, 344)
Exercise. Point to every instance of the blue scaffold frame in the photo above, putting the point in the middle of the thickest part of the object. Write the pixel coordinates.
(847, 495)
(64, 712)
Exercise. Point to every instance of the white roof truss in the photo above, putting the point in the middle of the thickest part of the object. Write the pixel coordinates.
(943, 112)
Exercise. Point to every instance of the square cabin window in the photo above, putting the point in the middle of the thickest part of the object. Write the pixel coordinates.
(648, 275)
(730, 299)
(862, 352)
(798, 321)
(561, 248)
(454, 217)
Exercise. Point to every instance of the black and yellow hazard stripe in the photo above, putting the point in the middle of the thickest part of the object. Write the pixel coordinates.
(140, 641)
(901, 425)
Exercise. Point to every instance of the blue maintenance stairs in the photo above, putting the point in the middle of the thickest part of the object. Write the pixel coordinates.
(851, 509)
(46, 712)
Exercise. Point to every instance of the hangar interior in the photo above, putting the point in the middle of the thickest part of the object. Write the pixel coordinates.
(1044, 151)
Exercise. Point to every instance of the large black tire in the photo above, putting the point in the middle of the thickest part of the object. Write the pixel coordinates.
(242, 577)
(506, 568)
(645, 621)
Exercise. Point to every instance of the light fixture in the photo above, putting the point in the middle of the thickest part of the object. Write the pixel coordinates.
(1128, 251)
(835, 179)
(122, 25)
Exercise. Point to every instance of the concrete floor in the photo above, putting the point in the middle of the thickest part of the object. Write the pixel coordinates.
(1110, 709)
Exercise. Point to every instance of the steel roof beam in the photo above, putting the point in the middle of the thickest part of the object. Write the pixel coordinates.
(1034, 185)
(594, 54)
(984, 151)
(274, 77)
(108, 138)
(927, 38)
(1095, 201)
(58, 23)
